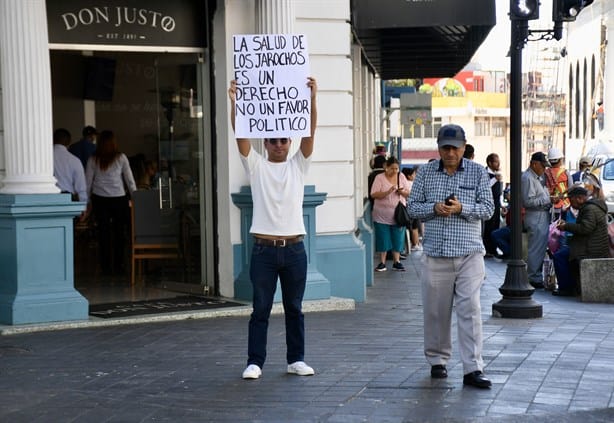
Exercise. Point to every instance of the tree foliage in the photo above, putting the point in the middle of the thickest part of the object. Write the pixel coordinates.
(402, 82)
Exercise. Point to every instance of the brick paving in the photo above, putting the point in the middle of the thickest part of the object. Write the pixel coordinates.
(369, 367)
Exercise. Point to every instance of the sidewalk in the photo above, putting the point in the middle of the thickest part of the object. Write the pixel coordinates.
(369, 367)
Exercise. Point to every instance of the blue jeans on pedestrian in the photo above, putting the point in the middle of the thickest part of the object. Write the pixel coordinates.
(289, 264)
(502, 239)
(566, 271)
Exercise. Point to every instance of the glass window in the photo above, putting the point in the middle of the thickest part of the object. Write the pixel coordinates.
(498, 127)
(608, 171)
(482, 127)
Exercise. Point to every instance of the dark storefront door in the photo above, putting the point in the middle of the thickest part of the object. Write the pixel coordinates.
(153, 102)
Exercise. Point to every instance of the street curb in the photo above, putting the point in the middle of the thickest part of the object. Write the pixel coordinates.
(311, 306)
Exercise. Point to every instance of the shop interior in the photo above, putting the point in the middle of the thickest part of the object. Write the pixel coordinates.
(153, 102)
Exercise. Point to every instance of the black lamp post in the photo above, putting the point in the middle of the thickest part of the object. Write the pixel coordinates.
(516, 291)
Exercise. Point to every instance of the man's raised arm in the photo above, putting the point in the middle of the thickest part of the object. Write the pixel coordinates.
(307, 142)
(243, 143)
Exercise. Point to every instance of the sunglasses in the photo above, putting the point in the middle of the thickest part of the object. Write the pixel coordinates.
(273, 141)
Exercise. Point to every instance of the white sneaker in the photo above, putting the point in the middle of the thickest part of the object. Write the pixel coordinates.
(300, 368)
(252, 372)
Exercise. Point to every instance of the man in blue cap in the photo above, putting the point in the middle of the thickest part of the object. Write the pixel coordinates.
(452, 197)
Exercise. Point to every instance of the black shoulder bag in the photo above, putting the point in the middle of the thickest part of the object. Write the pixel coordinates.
(401, 214)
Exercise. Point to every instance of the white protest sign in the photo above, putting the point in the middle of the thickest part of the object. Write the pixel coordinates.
(273, 99)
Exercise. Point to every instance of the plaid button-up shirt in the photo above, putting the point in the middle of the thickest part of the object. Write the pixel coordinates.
(456, 235)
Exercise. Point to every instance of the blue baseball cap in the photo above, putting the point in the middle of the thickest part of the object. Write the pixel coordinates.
(452, 135)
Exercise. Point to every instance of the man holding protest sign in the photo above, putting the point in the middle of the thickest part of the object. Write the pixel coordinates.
(277, 226)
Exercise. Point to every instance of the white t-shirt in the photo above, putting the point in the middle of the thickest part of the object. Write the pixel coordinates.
(277, 193)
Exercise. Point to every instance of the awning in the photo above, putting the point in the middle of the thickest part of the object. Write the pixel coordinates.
(421, 38)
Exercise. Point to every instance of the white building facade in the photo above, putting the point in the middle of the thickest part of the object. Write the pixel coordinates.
(590, 77)
(157, 74)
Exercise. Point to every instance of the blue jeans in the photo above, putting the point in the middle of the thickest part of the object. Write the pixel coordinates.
(502, 239)
(566, 271)
(289, 264)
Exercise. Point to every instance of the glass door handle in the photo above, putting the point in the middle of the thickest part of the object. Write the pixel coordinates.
(170, 192)
(160, 192)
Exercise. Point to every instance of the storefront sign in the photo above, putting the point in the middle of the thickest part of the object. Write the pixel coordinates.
(273, 99)
(177, 23)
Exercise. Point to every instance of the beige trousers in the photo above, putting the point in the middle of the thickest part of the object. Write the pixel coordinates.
(447, 283)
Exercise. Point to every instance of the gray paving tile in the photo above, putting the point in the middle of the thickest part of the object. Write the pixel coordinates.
(369, 363)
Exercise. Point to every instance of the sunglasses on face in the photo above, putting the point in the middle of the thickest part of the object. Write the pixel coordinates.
(273, 141)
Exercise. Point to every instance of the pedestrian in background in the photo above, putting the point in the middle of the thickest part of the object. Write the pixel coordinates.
(86, 146)
(589, 240)
(558, 180)
(389, 188)
(109, 184)
(469, 153)
(67, 169)
(584, 164)
(279, 252)
(537, 203)
(378, 167)
(416, 226)
(452, 196)
(493, 167)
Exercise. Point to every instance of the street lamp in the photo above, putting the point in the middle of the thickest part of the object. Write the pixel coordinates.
(516, 291)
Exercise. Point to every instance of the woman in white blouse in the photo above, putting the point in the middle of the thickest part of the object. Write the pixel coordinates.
(109, 183)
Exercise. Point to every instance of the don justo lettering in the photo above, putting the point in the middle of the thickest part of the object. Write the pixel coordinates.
(118, 17)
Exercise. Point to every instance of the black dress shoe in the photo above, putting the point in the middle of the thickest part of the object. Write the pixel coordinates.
(536, 285)
(439, 371)
(477, 379)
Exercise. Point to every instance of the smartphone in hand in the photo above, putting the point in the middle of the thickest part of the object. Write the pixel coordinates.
(449, 199)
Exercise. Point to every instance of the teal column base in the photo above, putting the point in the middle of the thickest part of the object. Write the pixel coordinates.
(36, 258)
(342, 259)
(318, 286)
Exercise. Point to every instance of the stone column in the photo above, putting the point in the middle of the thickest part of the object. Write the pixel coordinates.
(275, 16)
(26, 98)
(36, 222)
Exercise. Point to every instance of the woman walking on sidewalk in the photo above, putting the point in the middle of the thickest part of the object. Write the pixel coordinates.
(389, 187)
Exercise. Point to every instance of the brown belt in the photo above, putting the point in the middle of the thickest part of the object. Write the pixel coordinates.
(282, 242)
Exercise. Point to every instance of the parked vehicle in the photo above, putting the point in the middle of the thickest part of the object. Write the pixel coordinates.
(603, 167)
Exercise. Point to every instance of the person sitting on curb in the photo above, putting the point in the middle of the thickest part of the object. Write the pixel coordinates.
(590, 238)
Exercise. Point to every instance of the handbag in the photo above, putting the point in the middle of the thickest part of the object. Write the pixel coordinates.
(554, 237)
(401, 214)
